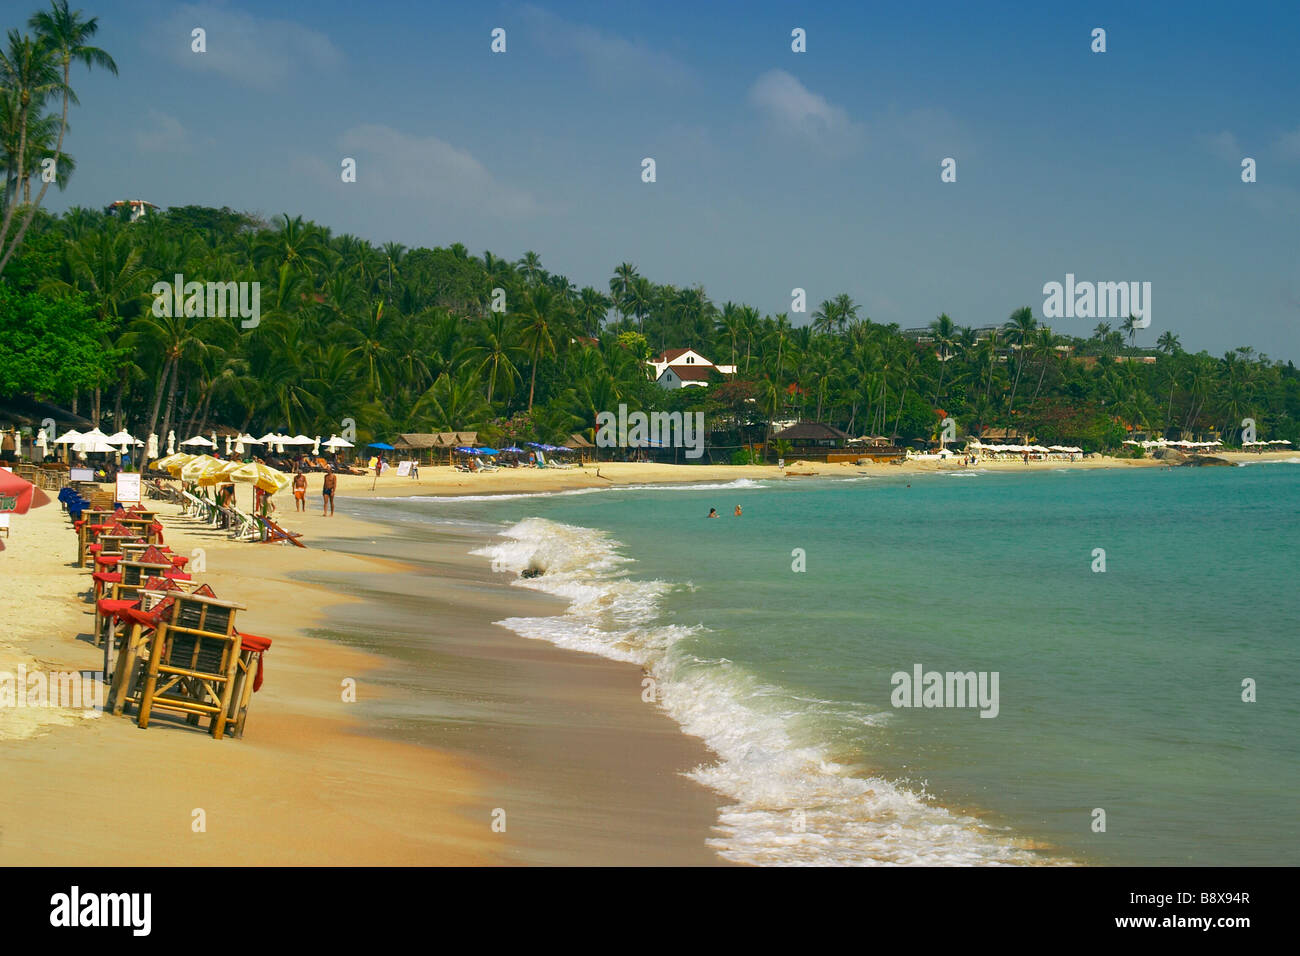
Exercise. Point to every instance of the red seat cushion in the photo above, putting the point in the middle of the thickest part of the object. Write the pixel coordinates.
(107, 577)
(252, 642)
(108, 560)
(115, 605)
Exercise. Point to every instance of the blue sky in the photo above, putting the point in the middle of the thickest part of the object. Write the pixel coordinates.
(774, 169)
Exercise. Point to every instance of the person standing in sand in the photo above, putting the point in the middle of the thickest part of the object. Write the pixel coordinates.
(299, 492)
(327, 491)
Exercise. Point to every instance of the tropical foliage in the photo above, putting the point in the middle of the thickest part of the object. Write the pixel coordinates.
(401, 340)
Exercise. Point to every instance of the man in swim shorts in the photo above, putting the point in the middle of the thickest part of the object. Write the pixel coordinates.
(328, 491)
(299, 492)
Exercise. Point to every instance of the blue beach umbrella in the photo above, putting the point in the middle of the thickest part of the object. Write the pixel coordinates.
(489, 451)
(381, 445)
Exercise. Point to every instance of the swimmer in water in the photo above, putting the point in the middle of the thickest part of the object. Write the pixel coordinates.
(737, 511)
(713, 512)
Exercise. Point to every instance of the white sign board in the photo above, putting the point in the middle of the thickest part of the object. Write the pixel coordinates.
(81, 474)
(128, 488)
(403, 469)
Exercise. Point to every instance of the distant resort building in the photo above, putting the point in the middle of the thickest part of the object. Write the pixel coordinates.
(138, 207)
(812, 435)
(678, 368)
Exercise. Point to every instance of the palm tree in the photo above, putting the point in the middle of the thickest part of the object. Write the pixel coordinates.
(65, 34)
(29, 74)
(293, 243)
(846, 311)
(531, 266)
(539, 319)
(620, 286)
(1168, 343)
(943, 331)
(1020, 329)
(1130, 326)
(825, 317)
(372, 348)
(495, 353)
(592, 308)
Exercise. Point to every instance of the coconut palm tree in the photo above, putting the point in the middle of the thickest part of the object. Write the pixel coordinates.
(943, 332)
(29, 74)
(540, 318)
(620, 286)
(592, 308)
(65, 34)
(1020, 328)
(495, 353)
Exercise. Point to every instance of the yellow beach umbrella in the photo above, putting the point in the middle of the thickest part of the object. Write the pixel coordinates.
(220, 472)
(199, 468)
(177, 461)
(164, 463)
(262, 477)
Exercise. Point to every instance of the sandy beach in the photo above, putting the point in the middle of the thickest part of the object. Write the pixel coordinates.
(410, 774)
(315, 780)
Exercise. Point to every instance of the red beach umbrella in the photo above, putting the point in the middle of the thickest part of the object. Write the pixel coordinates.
(17, 495)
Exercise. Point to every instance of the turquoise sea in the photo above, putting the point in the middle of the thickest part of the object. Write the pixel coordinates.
(1118, 690)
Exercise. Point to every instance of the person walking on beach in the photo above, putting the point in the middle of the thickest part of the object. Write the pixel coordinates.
(327, 491)
(299, 491)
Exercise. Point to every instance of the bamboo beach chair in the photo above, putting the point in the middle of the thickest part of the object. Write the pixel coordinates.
(194, 659)
(141, 620)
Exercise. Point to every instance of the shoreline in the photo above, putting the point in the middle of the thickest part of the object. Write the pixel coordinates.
(443, 481)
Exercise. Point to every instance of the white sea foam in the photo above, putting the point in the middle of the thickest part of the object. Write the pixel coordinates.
(739, 483)
(774, 759)
(1271, 461)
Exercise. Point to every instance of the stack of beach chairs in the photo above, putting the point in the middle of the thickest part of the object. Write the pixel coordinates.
(170, 644)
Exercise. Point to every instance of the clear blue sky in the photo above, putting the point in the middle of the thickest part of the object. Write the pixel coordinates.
(775, 169)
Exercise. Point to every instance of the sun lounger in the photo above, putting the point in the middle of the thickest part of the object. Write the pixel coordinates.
(275, 534)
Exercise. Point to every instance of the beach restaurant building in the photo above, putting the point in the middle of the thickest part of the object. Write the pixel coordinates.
(425, 447)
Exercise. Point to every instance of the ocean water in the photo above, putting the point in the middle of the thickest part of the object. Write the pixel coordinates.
(776, 637)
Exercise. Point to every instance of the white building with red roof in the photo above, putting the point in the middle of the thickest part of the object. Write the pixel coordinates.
(678, 368)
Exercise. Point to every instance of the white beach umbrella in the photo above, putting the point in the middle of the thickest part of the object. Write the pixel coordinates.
(90, 445)
(18, 443)
(42, 442)
(335, 443)
(315, 446)
(152, 451)
(69, 437)
(268, 439)
(171, 442)
(198, 440)
(239, 446)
